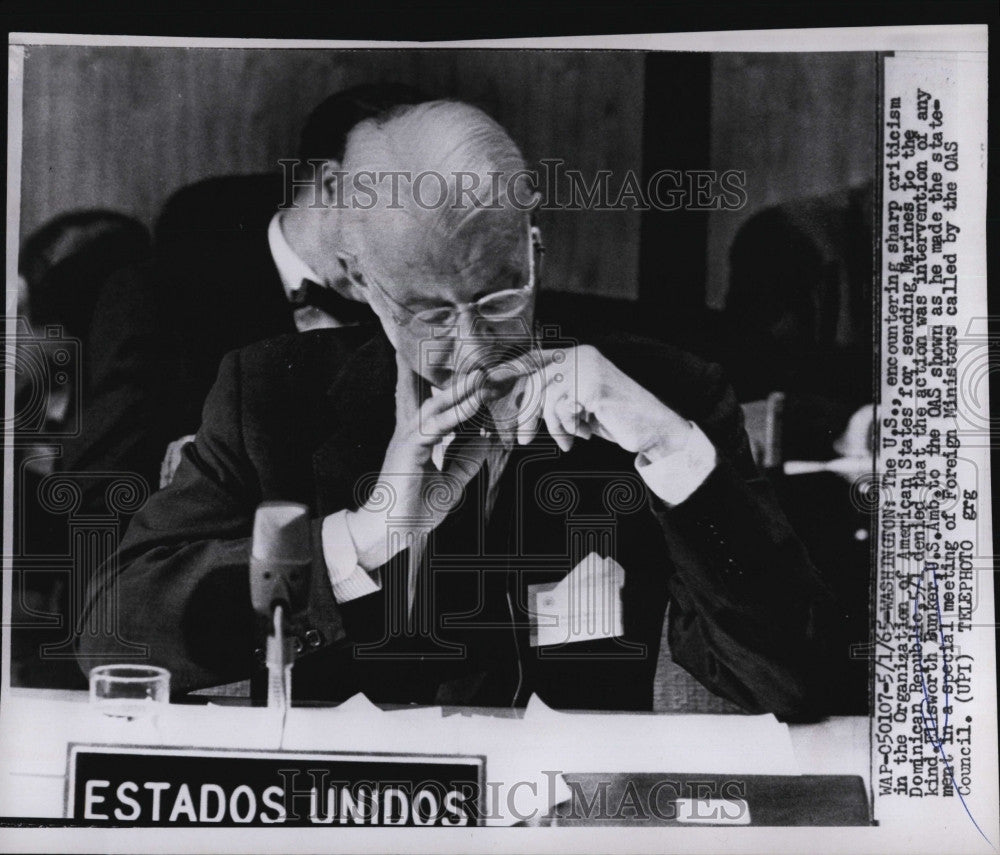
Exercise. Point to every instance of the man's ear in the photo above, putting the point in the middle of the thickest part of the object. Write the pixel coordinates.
(523, 194)
(333, 182)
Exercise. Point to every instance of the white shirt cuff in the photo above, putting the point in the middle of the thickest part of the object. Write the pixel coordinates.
(348, 579)
(677, 475)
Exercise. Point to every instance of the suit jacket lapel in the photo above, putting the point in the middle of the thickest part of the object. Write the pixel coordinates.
(358, 419)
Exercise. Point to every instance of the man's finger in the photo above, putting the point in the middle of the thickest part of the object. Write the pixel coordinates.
(572, 417)
(553, 396)
(542, 367)
(454, 394)
(526, 363)
(566, 409)
(584, 429)
(550, 383)
(436, 426)
(527, 426)
(556, 430)
(528, 412)
(407, 389)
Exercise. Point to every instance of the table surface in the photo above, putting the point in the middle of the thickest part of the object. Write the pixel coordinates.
(838, 745)
(835, 746)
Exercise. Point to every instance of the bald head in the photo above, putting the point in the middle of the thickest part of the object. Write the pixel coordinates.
(456, 159)
(439, 183)
(436, 212)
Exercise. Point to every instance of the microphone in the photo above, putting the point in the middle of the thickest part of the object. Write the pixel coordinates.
(280, 563)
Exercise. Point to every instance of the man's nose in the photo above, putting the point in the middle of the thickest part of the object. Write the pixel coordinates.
(471, 347)
(466, 322)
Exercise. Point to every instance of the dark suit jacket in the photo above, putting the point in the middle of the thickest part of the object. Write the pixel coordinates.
(213, 257)
(307, 418)
(212, 252)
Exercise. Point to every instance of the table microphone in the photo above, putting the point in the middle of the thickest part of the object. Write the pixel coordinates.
(280, 562)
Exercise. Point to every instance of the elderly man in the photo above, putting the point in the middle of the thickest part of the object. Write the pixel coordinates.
(496, 511)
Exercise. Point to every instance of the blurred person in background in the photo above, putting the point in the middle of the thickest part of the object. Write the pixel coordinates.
(231, 263)
(63, 308)
(238, 255)
(800, 301)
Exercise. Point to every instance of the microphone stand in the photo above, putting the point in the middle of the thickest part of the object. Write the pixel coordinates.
(279, 659)
(279, 589)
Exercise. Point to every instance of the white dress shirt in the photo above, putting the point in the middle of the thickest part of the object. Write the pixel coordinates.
(292, 271)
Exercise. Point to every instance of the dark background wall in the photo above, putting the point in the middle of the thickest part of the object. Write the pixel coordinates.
(798, 124)
(122, 127)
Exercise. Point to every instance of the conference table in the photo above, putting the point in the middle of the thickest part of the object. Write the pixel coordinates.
(776, 774)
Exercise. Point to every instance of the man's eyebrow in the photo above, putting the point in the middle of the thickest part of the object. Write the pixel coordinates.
(505, 280)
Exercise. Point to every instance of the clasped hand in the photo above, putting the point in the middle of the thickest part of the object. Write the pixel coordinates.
(576, 392)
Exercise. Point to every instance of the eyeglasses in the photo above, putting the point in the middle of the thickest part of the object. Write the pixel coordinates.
(498, 306)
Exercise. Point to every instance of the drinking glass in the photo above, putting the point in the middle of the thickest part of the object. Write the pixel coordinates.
(129, 691)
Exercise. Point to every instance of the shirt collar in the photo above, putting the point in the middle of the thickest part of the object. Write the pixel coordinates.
(291, 268)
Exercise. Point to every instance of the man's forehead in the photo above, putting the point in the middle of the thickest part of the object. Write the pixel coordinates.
(412, 247)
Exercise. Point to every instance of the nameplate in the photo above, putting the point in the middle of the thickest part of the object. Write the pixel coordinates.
(143, 786)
